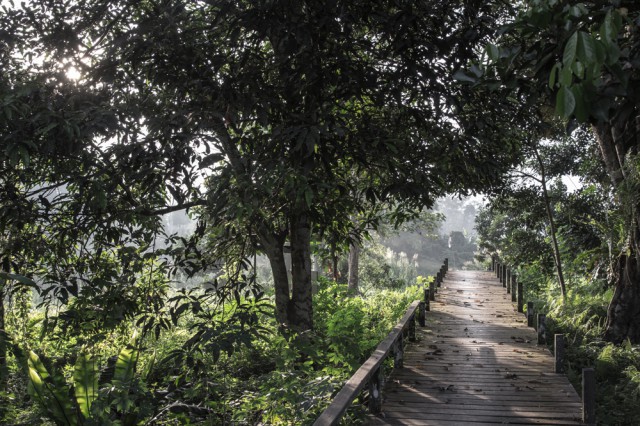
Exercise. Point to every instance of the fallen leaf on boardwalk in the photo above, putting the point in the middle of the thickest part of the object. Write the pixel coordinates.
(456, 351)
(478, 390)
(535, 382)
(511, 376)
(445, 368)
(432, 347)
(498, 316)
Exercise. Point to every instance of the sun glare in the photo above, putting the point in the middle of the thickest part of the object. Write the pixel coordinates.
(73, 73)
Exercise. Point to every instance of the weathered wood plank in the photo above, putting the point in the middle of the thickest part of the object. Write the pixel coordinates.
(477, 363)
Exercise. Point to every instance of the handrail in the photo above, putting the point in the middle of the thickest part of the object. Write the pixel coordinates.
(369, 371)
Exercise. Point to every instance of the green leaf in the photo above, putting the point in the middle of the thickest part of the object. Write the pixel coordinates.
(20, 278)
(125, 365)
(85, 383)
(581, 110)
(565, 102)
(493, 52)
(460, 75)
(570, 50)
(53, 399)
(578, 69)
(586, 48)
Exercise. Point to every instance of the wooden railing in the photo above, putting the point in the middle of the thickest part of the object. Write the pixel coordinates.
(371, 372)
(508, 278)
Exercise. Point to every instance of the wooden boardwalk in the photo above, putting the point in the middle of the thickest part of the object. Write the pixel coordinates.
(477, 363)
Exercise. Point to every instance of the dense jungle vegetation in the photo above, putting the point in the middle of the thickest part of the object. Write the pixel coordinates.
(306, 133)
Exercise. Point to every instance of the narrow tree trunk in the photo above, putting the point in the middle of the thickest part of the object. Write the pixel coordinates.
(552, 225)
(301, 312)
(275, 254)
(354, 260)
(3, 348)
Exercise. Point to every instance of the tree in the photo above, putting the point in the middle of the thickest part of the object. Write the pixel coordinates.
(277, 105)
(580, 57)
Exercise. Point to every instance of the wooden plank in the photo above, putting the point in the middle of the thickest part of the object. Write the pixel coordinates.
(356, 383)
(477, 363)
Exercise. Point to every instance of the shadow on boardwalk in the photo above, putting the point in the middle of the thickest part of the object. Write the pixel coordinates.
(477, 363)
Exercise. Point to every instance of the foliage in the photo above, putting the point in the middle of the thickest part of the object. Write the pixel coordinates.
(582, 318)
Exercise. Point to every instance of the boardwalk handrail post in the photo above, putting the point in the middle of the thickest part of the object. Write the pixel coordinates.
(432, 288)
(507, 283)
(422, 314)
(542, 329)
(446, 265)
(589, 396)
(412, 328)
(558, 351)
(499, 271)
(427, 298)
(520, 297)
(530, 316)
(375, 394)
(398, 352)
(514, 288)
(504, 275)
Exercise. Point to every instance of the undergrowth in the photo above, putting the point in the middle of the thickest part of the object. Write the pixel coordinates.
(582, 318)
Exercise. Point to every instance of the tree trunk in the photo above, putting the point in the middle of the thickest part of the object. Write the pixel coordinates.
(552, 225)
(3, 348)
(301, 306)
(623, 314)
(354, 260)
(275, 254)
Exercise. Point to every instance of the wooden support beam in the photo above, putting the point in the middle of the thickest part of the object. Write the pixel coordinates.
(558, 351)
(589, 396)
(542, 329)
(432, 288)
(530, 317)
(422, 314)
(514, 288)
(520, 300)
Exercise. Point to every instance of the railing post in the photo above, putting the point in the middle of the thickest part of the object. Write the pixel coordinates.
(398, 353)
(507, 283)
(520, 297)
(375, 396)
(558, 351)
(438, 280)
(432, 288)
(589, 396)
(427, 305)
(412, 328)
(504, 275)
(542, 329)
(514, 288)
(422, 314)
(530, 317)
(499, 271)
(446, 265)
